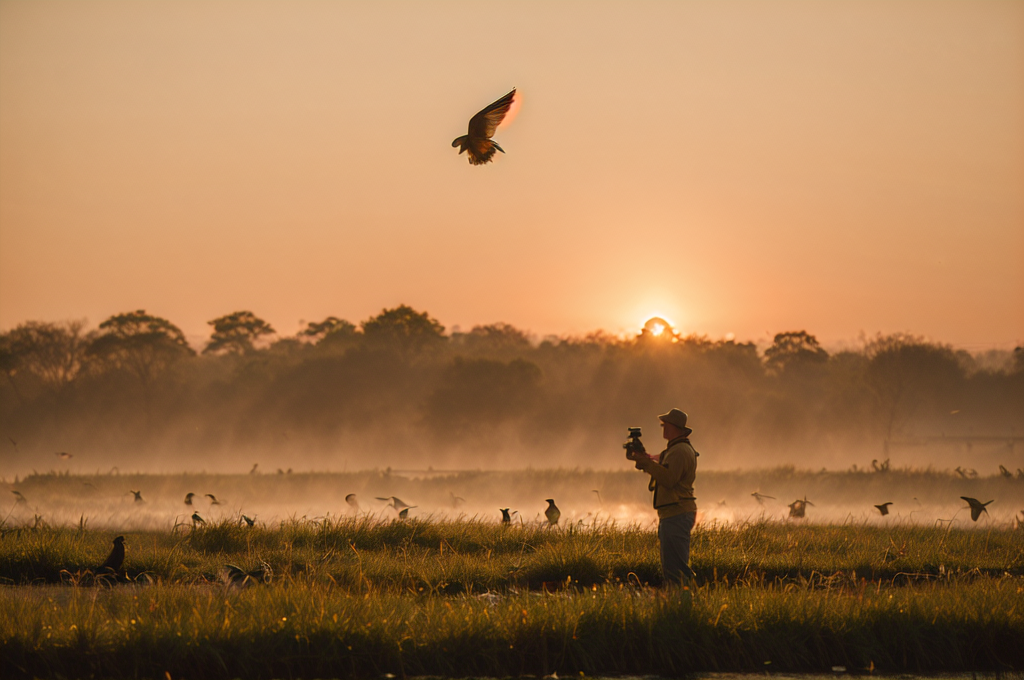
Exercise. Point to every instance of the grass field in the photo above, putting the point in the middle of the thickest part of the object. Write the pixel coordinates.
(363, 595)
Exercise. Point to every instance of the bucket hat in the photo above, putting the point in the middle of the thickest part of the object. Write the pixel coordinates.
(677, 418)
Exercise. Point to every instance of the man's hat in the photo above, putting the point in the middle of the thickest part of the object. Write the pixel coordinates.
(677, 418)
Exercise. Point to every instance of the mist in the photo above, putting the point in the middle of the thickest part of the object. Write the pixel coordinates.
(398, 392)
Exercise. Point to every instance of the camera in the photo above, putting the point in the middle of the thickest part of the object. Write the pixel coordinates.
(633, 444)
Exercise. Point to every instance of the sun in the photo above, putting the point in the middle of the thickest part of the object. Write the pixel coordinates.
(658, 327)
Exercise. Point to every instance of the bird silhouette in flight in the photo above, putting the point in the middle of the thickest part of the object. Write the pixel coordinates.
(977, 507)
(456, 500)
(18, 498)
(1005, 473)
(188, 498)
(552, 513)
(196, 519)
(213, 499)
(884, 508)
(248, 520)
(138, 496)
(397, 503)
(477, 144)
(759, 497)
(115, 559)
(352, 501)
(404, 513)
(64, 455)
(254, 468)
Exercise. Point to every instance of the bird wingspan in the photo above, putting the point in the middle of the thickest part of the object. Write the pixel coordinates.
(486, 121)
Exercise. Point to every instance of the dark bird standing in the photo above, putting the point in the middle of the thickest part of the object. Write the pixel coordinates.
(477, 144)
(116, 557)
(798, 508)
(248, 520)
(552, 513)
(977, 507)
(196, 519)
(884, 508)
(506, 516)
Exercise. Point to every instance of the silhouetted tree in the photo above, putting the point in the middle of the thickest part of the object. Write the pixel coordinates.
(794, 348)
(495, 339)
(403, 328)
(55, 353)
(236, 333)
(482, 393)
(331, 330)
(142, 344)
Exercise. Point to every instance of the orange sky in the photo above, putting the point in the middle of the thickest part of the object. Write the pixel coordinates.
(742, 167)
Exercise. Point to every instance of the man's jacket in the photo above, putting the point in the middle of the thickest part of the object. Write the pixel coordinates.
(672, 478)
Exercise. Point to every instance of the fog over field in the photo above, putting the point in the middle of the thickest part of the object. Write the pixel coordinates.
(401, 391)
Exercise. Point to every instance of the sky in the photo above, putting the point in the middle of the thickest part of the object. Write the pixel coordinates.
(743, 168)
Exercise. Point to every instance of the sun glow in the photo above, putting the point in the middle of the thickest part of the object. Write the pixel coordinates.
(658, 327)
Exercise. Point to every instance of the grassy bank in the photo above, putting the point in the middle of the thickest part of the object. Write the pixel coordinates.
(304, 629)
(450, 557)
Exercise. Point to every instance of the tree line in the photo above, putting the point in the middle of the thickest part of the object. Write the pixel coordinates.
(397, 389)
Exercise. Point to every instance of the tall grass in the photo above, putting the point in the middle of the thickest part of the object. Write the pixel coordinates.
(451, 557)
(306, 628)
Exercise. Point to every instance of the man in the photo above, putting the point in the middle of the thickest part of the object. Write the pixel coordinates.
(672, 475)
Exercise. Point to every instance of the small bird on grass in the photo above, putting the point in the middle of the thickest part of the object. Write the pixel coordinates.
(238, 576)
(196, 519)
(250, 521)
(138, 496)
(477, 144)
(506, 516)
(188, 498)
(884, 508)
(759, 497)
(798, 508)
(352, 501)
(115, 559)
(552, 513)
(213, 499)
(977, 507)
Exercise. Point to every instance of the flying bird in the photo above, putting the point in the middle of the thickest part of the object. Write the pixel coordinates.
(1005, 473)
(552, 513)
(253, 470)
(18, 498)
(477, 144)
(351, 500)
(977, 507)
(395, 502)
(64, 455)
(14, 443)
(884, 508)
(759, 497)
(116, 557)
(188, 498)
(404, 514)
(138, 496)
(456, 500)
(213, 499)
(598, 492)
(248, 520)
(196, 519)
